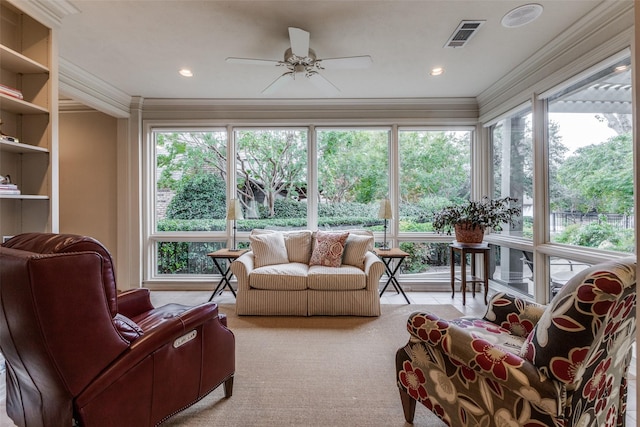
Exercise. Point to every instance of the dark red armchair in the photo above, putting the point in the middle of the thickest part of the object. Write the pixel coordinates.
(77, 351)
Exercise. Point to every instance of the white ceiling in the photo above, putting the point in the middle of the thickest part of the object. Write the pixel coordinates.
(139, 46)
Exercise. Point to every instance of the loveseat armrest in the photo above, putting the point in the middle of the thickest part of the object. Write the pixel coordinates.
(373, 270)
(515, 314)
(135, 301)
(241, 268)
(492, 362)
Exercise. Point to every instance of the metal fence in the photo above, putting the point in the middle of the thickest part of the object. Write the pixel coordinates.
(560, 220)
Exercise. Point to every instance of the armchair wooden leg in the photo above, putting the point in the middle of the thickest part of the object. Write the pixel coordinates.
(408, 405)
(228, 387)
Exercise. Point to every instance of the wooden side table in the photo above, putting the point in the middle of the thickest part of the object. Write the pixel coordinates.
(469, 248)
(230, 256)
(387, 256)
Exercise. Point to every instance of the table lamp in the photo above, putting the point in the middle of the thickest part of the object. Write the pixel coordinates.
(234, 213)
(386, 214)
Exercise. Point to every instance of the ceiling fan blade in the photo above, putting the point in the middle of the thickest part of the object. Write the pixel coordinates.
(278, 83)
(252, 61)
(299, 42)
(324, 85)
(349, 62)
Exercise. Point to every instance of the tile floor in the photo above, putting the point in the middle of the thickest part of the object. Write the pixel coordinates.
(474, 307)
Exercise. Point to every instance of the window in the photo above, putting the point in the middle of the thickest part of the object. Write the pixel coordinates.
(435, 170)
(353, 176)
(190, 196)
(271, 174)
(512, 149)
(512, 176)
(590, 192)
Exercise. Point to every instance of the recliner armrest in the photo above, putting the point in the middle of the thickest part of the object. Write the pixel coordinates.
(164, 331)
(133, 302)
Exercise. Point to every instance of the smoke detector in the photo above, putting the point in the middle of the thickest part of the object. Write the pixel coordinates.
(464, 32)
(522, 15)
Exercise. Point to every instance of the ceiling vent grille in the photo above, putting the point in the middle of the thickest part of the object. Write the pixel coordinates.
(464, 32)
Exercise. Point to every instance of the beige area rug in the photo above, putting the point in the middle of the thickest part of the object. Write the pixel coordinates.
(314, 371)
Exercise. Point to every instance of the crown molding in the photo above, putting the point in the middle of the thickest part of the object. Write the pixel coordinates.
(571, 50)
(49, 12)
(84, 87)
(462, 109)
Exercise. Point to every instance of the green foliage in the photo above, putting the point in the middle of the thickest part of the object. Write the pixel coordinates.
(347, 209)
(353, 165)
(185, 154)
(491, 213)
(192, 225)
(185, 257)
(271, 162)
(289, 208)
(199, 197)
(599, 177)
(434, 164)
(599, 234)
(424, 255)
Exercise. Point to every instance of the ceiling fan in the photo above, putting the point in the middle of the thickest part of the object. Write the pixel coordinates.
(300, 60)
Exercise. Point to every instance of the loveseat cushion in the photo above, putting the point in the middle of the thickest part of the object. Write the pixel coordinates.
(344, 278)
(280, 277)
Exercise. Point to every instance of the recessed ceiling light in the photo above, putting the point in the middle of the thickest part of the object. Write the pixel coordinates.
(522, 15)
(437, 71)
(185, 72)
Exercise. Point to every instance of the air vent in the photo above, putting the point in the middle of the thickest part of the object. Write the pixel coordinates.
(463, 33)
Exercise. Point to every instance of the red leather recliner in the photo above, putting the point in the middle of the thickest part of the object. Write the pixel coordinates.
(75, 349)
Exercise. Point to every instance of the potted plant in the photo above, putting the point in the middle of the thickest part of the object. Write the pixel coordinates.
(470, 219)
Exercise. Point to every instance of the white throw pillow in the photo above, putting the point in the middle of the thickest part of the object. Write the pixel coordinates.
(298, 245)
(355, 250)
(268, 249)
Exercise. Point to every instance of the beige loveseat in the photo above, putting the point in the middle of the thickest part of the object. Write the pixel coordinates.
(295, 273)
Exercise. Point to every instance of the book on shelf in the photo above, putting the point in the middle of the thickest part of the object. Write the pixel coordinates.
(7, 90)
(9, 189)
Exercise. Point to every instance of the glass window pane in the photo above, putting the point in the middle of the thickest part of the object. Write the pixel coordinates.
(353, 177)
(426, 261)
(560, 271)
(434, 172)
(185, 257)
(513, 269)
(513, 168)
(190, 176)
(591, 162)
(271, 173)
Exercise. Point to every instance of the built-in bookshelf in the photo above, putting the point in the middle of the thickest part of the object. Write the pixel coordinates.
(28, 111)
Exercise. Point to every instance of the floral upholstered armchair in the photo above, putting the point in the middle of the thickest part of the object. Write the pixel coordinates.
(525, 364)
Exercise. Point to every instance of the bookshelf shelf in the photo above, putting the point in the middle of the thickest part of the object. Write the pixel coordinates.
(26, 65)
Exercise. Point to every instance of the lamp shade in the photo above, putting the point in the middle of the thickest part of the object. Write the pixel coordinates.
(385, 209)
(234, 210)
